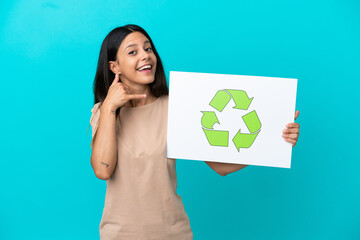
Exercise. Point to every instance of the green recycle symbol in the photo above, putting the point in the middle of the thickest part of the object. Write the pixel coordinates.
(251, 119)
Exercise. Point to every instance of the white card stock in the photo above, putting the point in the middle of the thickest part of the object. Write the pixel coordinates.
(230, 118)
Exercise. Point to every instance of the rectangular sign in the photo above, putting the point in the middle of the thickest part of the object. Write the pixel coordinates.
(230, 118)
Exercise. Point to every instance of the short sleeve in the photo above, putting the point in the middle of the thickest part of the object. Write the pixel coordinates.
(94, 120)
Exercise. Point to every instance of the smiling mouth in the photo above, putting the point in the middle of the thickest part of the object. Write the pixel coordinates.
(145, 68)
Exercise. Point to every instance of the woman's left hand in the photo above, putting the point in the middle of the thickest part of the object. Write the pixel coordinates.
(291, 132)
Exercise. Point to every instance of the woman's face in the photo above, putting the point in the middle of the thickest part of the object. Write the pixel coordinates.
(136, 61)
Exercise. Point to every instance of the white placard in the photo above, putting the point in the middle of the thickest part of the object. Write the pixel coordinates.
(230, 118)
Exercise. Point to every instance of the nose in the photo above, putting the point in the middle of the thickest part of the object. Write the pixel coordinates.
(145, 55)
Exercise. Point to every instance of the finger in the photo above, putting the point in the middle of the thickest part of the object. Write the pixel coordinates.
(293, 125)
(135, 96)
(296, 114)
(290, 140)
(291, 130)
(291, 136)
(116, 79)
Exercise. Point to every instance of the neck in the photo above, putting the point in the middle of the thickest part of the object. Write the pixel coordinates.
(144, 101)
(140, 89)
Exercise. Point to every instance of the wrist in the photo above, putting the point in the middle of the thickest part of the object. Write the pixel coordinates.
(108, 108)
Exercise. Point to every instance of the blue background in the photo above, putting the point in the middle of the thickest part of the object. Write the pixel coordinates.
(49, 51)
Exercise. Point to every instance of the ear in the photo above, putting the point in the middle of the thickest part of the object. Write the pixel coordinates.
(114, 67)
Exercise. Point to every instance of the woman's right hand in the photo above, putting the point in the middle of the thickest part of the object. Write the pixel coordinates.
(118, 95)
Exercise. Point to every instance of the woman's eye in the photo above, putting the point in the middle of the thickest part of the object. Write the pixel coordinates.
(148, 49)
(132, 52)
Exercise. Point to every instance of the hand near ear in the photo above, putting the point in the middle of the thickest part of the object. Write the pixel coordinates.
(118, 95)
(291, 132)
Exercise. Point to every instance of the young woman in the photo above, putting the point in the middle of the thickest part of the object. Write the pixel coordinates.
(129, 123)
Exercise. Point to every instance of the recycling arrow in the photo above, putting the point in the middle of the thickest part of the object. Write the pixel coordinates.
(251, 119)
(217, 138)
(245, 140)
(241, 99)
(209, 119)
(220, 100)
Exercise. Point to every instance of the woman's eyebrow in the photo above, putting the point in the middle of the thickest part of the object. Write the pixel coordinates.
(132, 45)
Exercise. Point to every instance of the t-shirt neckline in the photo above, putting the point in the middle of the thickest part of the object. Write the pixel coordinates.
(141, 107)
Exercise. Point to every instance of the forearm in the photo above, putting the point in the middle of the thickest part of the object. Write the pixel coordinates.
(225, 168)
(104, 153)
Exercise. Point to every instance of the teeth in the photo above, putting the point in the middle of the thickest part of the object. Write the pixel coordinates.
(145, 67)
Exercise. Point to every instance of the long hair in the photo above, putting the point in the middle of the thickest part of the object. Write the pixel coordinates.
(104, 76)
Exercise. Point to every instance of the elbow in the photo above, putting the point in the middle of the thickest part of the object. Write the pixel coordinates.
(218, 168)
(223, 174)
(102, 175)
(227, 171)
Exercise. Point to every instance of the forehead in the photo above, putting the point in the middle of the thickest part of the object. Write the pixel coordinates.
(136, 38)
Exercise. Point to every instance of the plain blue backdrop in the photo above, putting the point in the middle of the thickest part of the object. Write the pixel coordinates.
(49, 51)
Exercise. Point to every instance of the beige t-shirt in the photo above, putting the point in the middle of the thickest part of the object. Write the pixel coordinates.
(141, 200)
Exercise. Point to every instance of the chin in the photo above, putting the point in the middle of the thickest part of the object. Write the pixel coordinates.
(147, 80)
(141, 78)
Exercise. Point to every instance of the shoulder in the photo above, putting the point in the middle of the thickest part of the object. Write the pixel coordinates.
(164, 101)
(96, 107)
(164, 98)
(95, 113)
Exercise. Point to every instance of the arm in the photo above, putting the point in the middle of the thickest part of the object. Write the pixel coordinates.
(104, 152)
(225, 168)
(290, 134)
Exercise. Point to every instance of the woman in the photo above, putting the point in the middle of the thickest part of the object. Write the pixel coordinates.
(129, 123)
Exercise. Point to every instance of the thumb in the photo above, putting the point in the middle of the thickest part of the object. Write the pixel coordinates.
(297, 114)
